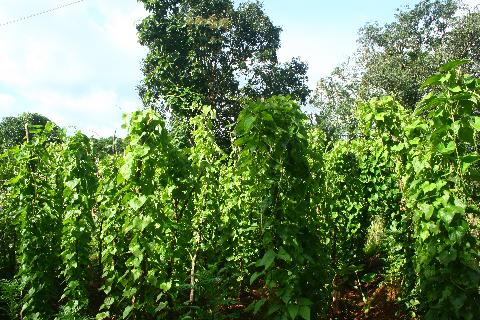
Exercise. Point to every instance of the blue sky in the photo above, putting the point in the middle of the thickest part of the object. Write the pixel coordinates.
(80, 65)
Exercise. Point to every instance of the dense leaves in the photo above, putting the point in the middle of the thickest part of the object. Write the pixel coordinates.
(214, 52)
(395, 58)
(271, 230)
(12, 129)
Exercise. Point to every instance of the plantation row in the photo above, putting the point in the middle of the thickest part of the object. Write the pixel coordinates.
(265, 231)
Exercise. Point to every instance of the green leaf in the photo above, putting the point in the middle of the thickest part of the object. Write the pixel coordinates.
(304, 312)
(427, 210)
(293, 310)
(248, 123)
(435, 79)
(136, 273)
(450, 148)
(137, 202)
(286, 295)
(424, 234)
(282, 254)
(241, 141)
(165, 286)
(161, 306)
(141, 150)
(72, 183)
(380, 116)
(14, 180)
(468, 160)
(109, 301)
(455, 89)
(399, 147)
(127, 311)
(267, 116)
(102, 315)
(126, 170)
(128, 293)
(141, 222)
(258, 305)
(368, 277)
(453, 64)
(255, 276)
(267, 259)
(448, 213)
(134, 246)
(418, 165)
(475, 123)
(428, 186)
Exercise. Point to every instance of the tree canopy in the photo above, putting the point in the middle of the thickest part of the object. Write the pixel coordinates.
(396, 58)
(12, 129)
(215, 53)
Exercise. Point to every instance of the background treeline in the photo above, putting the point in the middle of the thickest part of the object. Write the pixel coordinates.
(226, 201)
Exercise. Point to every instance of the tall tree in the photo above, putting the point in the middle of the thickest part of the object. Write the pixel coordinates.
(215, 53)
(107, 146)
(12, 129)
(334, 99)
(398, 57)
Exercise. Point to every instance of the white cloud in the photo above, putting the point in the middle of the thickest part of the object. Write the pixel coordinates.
(472, 3)
(7, 102)
(79, 65)
(100, 110)
(120, 25)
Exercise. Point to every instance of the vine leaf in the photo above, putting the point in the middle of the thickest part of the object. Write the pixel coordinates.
(137, 202)
(267, 259)
(293, 310)
(127, 311)
(304, 312)
(255, 276)
(258, 305)
(453, 64)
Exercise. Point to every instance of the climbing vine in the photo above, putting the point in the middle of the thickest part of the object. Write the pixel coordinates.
(79, 187)
(270, 230)
(440, 173)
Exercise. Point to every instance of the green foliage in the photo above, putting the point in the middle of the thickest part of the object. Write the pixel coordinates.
(463, 42)
(38, 217)
(279, 79)
(431, 243)
(383, 122)
(395, 58)
(12, 129)
(204, 50)
(375, 236)
(140, 223)
(334, 99)
(103, 147)
(439, 177)
(10, 299)
(270, 230)
(8, 234)
(163, 226)
(345, 204)
(272, 145)
(79, 186)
